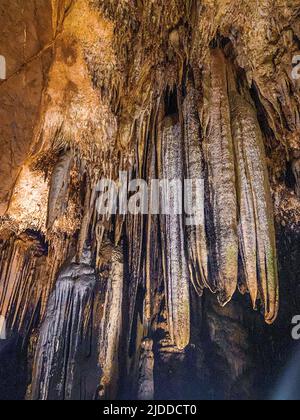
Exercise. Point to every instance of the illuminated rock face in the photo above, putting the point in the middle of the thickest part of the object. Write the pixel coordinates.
(142, 306)
(27, 47)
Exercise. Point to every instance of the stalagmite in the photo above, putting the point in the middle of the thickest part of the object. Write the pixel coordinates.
(256, 224)
(111, 324)
(194, 169)
(65, 367)
(221, 176)
(59, 188)
(176, 268)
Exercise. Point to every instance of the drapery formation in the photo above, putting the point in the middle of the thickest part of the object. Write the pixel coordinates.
(240, 191)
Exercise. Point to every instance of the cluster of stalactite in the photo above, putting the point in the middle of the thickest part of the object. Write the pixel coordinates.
(240, 194)
(127, 277)
(220, 141)
(27, 278)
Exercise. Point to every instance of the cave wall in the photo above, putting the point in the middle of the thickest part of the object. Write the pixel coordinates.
(27, 44)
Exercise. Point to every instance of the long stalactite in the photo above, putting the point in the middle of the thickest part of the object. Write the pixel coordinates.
(222, 179)
(256, 223)
(176, 267)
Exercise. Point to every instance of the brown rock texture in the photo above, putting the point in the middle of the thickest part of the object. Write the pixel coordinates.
(27, 43)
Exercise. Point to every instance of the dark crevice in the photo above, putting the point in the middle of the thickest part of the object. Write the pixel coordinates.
(171, 103)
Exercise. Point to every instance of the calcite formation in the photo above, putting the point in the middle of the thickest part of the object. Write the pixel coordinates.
(221, 175)
(176, 268)
(120, 304)
(195, 169)
(64, 343)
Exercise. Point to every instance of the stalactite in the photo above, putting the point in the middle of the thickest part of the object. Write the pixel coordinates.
(153, 260)
(176, 267)
(85, 220)
(146, 370)
(99, 235)
(134, 229)
(65, 364)
(111, 324)
(221, 176)
(59, 188)
(256, 224)
(194, 169)
(59, 250)
(135, 225)
(150, 244)
(21, 287)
